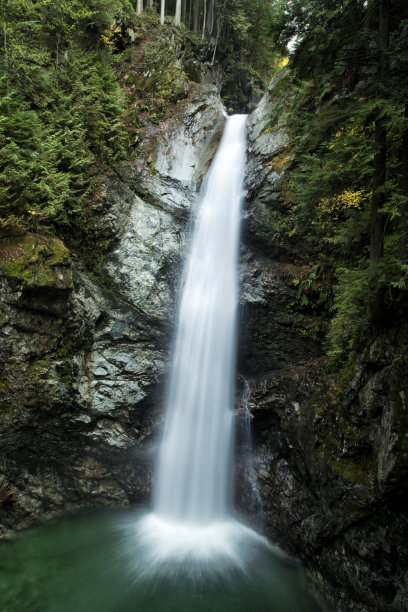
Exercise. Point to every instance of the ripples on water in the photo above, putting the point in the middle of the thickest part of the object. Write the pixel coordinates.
(107, 562)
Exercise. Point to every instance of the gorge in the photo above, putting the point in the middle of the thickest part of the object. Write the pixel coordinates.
(86, 326)
(190, 550)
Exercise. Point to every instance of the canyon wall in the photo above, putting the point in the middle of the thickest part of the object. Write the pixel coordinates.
(84, 359)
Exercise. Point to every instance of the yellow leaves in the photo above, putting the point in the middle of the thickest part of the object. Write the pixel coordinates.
(343, 201)
(280, 162)
(108, 36)
(355, 131)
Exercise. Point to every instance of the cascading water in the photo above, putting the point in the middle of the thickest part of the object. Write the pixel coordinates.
(194, 462)
(191, 502)
(190, 553)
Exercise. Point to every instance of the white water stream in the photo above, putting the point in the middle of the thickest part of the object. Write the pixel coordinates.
(190, 553)
(193, 473)
(192, 509)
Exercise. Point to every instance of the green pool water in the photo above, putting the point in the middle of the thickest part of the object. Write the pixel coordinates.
(92, 562)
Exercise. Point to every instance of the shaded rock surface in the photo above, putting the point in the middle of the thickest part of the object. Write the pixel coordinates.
(329, 457)
(83, 362)
(83, 359)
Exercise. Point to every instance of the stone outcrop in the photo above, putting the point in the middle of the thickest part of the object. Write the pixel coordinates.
(83, 358)
(83, 362)
(330, 457)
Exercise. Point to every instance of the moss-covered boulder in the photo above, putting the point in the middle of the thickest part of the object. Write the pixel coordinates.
(36, 261)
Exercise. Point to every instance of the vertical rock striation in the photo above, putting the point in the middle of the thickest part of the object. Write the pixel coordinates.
(330, 455)
(83, 358)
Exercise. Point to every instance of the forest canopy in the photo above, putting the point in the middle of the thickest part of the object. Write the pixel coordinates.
(64, 115)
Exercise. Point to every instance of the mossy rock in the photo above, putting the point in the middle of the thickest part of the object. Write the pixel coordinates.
(37, 261)
(358, 471)
(154, 77)
(192, 71)
(4, 383)
(281, 85)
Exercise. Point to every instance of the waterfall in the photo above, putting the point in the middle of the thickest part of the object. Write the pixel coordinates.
(193, 475)
(192, 515)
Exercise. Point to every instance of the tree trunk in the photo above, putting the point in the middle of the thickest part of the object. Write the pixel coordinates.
(177, 16)
(190, 14)
(210, 18)
(149, 4)
(5, 47)
(378, 219)
(183, 12)
(162, 10)
(196, 16)
(403, 184)
(139, 7)
(380, 158)
(204, 17)
(219, 26)
(378, 200)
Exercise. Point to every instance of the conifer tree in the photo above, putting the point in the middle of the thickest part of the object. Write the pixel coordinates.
(349, 123)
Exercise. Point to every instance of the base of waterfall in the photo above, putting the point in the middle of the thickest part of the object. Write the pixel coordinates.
(171, 546)
(125, 560)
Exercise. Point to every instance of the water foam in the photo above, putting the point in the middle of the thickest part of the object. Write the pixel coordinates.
(218, 542)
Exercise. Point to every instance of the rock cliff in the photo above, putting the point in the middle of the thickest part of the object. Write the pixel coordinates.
(329, 452)
(84, 358)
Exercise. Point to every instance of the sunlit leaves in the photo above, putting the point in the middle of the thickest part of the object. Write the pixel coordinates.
(343, 201)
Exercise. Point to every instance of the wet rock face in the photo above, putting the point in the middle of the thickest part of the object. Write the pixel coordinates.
(72, 393)
(332, 475)
(330, 460)
(82, 362)
(272, 336)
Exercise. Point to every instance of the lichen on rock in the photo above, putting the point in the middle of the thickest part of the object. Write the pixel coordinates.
(37, 261)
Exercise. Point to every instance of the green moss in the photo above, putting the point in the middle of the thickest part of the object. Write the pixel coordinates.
(345, 376)
(339, 445)
(154, 78)
(38, 366)
(65, 347)
(192, 71)
(280, 161)
(39, 261)
(356, 471)
(4, 383)
(283, 86)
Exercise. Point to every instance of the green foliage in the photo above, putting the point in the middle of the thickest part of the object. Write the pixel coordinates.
(341, 100)
(29, 174)
(75, 92)
(349, 326)
(61, 110)
(313, 286)
(155, 76)
(246, 50)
